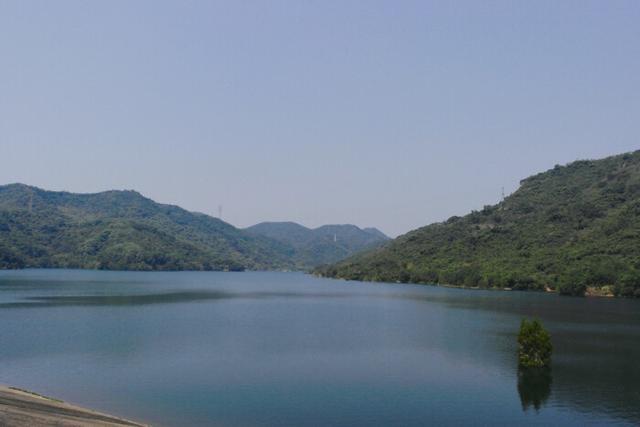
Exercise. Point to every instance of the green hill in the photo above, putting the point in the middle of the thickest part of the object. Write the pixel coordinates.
(122, 230)
(322, 245)
(567, 229)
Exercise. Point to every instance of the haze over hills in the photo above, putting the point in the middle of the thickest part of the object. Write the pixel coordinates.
(123, 230)
(322, 245)
(572, 227)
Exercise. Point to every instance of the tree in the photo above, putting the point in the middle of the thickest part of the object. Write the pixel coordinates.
(534, 345)
(572, 282)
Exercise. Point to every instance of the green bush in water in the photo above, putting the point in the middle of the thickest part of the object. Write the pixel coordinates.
(534, 345)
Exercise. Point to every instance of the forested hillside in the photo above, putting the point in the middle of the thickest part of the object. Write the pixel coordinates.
(322, 245)
(567, 229)
(122, 230)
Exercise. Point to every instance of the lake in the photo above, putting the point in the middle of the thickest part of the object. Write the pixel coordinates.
(288, 349)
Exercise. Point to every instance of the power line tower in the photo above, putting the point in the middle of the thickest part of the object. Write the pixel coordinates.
(502, 193)
(219, 211)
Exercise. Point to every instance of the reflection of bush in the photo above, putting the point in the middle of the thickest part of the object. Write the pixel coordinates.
(534, 387)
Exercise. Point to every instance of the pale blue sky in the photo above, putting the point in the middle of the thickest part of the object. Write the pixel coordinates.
(391, 114)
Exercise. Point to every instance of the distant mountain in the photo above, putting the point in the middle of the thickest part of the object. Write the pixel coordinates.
(123, 230)
(322, 245)
(376, 233)
(568, 229)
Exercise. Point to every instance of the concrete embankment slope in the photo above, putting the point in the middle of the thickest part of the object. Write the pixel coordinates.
(23, 409)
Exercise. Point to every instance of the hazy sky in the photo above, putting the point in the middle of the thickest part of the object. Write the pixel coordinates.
(391, 114)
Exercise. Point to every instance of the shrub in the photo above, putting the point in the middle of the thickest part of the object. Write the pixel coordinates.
(534, 345)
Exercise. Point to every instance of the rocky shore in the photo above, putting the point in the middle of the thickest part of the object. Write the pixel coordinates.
(21, 408)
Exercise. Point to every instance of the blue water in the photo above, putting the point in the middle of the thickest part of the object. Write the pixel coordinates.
(288, 349)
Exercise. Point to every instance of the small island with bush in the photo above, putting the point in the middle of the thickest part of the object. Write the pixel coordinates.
(534, 345)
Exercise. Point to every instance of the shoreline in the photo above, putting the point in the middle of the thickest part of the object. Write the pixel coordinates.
(590, 292)
(24, 408)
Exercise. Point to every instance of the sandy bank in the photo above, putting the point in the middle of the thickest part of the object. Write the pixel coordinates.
(20, 408)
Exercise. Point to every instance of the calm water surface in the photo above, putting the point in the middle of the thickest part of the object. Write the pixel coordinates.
(243, 349)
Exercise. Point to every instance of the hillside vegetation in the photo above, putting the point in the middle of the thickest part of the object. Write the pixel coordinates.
(322, 245)
(122, 230)
(568, 229)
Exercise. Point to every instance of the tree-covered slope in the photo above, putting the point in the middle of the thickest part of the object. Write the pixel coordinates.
(566, 229)
(322, 245)
(122, 230)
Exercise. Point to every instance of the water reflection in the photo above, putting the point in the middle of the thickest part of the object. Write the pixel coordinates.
(534, 387)
(113, 300)
(154, 298)
(196, 348)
